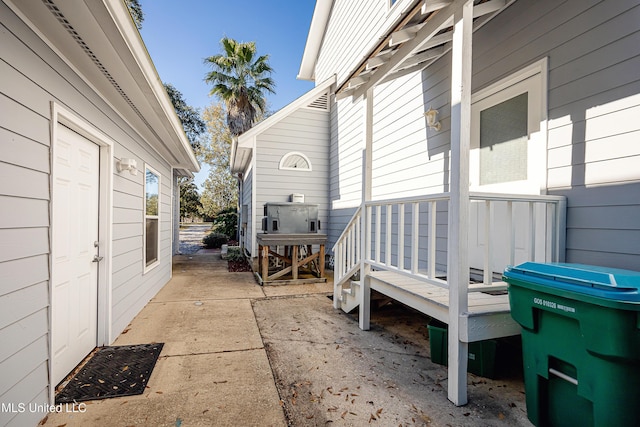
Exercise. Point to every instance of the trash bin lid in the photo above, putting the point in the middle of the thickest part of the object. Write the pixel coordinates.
(602, 282)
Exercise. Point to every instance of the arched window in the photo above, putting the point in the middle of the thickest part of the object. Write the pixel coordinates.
(295, 161)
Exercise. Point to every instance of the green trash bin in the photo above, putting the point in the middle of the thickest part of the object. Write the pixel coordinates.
(580, 343)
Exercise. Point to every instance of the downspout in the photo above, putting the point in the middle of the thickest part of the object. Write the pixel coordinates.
(238, 176)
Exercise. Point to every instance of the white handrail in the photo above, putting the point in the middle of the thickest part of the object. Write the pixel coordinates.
(411, 230)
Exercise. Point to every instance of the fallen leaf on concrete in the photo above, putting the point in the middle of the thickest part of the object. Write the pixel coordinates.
(332, 409)
(501, 416)
(379, 411)
(372, 418)
(343, 414)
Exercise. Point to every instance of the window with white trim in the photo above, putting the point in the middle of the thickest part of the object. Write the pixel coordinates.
(295, 161)
(508, 137)
(151, 218)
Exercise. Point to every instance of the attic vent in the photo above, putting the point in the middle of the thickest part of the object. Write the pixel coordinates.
(67, 25)
(320, 103)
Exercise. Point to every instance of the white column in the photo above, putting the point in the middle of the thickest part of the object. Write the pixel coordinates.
(457, 252)
(367, 161)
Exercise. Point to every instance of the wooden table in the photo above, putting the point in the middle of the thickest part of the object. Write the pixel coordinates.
(292, 267)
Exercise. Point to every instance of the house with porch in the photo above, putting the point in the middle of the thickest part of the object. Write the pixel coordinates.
(90, 150)
(465, 136)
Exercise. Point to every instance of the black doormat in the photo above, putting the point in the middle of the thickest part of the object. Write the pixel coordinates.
(112, 372)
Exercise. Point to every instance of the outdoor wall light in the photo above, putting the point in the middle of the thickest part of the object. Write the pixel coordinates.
(431, 115)
(127, 165)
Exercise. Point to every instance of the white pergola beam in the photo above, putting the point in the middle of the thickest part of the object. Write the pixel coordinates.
(423, 57)
(379, 59)
(357, 81)
(403, 35)
(488, 7)
(438, 21)
(438, 40)
(433, 5)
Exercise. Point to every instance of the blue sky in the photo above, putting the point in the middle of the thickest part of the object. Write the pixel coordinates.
(180, 34)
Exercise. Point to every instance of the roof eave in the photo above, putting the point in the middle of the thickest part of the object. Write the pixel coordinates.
(131, 36)
(317, 29)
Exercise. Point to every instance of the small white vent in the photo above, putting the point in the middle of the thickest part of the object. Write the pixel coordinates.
(320, 103)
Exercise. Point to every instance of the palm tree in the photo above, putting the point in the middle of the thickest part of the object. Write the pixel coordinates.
(240, 78)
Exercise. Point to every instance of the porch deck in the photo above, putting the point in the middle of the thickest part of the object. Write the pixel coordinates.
(400, 248)
(488, 314)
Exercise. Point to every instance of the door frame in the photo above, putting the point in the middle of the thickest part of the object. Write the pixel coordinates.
(61, 115)
(539, 68)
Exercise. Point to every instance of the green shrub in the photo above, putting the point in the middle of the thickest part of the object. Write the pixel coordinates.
(214, 240)
(234, 253)
(226, 222)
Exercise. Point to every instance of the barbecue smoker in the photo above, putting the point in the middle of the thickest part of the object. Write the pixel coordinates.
(290, 218)
(291, 249)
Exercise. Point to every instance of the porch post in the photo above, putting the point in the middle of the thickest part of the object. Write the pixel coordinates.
(364, 313)
(457, 251)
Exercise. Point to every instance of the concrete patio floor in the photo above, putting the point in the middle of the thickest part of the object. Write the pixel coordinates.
(238, 354)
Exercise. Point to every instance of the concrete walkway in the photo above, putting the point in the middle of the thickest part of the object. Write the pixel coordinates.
(238, 354)
(213, 369)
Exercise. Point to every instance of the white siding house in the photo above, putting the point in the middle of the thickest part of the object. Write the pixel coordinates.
(534, 156)
(288, 153)
(84, 243)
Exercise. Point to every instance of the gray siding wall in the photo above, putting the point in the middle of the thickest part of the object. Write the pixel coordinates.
(353, 28)
(593, 97)
(32, 77)
(306, 131)
(594, 101)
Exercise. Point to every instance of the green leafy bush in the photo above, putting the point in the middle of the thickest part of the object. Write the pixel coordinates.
(234, 253)
(226, 222)
(215, 240)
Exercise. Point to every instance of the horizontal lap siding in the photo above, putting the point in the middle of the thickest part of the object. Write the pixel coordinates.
(352, 29)
(594, 101)
(305, 131)
(32, 77)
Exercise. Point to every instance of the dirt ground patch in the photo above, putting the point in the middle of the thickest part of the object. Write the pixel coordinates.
(329, 372)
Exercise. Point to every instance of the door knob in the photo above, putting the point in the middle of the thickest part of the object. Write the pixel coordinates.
(97, 258)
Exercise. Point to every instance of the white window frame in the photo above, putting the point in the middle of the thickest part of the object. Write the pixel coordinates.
(152, 265)
(533, 80)
(281, 166)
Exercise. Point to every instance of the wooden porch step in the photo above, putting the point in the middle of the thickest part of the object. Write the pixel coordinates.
(489, 315)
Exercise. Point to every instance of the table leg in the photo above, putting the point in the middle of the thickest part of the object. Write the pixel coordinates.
(294, 261)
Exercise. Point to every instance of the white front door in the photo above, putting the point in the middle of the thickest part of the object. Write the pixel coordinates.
(75, 207)
(507, 156)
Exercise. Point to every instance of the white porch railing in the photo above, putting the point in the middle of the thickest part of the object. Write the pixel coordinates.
(409, 236)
